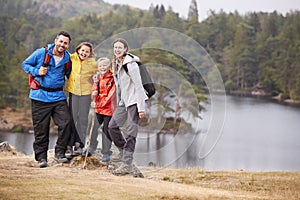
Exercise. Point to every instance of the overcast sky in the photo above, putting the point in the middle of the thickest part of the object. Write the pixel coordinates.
(242, 6)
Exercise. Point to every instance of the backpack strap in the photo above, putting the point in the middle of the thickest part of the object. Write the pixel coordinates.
(33, 84)
(125, 66)
(47, 58)
(126, 69)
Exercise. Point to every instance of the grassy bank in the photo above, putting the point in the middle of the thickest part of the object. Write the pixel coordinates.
(21, 179)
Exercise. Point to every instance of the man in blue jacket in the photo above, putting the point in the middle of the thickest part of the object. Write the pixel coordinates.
(48, 98)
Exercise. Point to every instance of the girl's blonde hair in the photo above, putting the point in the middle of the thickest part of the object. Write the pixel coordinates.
(85, 44)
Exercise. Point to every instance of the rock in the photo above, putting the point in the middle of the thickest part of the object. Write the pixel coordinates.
(6, 147)
(4, 125)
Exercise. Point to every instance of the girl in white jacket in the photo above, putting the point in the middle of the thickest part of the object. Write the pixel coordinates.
(131, 99)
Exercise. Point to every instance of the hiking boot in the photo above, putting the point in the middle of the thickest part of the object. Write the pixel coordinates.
(77, 149)
(118, 157)
(61, 159)
(69, 152)
(122, 170)
(106, 158)
(42, 163)
(136, 172)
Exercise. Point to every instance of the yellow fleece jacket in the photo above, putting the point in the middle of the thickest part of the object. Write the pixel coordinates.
(82, 71)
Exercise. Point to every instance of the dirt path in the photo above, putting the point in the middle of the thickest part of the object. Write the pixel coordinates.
(21, 179)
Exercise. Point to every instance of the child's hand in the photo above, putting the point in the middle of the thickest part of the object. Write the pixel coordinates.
(94, 93)
(93, 104)
(95, 78)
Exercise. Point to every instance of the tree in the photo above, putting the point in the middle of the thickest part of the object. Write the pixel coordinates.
(193, 11)
(4, 87)
(244, 58)
(171, 20)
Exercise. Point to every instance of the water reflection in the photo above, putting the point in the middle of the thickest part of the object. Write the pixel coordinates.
(23, 142)
(178, 150)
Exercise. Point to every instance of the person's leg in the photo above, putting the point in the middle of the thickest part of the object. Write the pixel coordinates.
(118, 119)
(41, 115)
(106, 139)
(83, 109)
(62, 118)
(100, 119)
(74, 137)
(131, 134)
(74, 106)
(127, 166)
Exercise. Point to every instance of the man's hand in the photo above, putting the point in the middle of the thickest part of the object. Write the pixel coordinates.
(43, 71)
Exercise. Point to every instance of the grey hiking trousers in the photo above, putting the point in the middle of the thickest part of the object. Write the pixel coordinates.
(125, 142)
(81, 115)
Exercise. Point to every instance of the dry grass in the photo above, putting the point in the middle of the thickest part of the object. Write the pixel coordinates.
(21, 179)
(278, 185)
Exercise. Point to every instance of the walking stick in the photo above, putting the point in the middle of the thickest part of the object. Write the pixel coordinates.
(90, 137)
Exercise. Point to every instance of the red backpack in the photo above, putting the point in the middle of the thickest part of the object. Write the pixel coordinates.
(33, 84)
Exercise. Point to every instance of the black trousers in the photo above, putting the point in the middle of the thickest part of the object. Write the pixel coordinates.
(42, 113)
(106, 140)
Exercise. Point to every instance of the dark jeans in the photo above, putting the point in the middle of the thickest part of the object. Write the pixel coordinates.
(41, 117)
(126, 143)
(106, 140)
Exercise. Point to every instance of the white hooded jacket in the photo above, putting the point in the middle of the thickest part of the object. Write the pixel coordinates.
(130, 84)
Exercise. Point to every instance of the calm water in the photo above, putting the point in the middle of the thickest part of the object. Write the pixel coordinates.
(256, 135)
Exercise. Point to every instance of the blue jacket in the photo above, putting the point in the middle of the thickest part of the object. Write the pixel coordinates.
(55, 77)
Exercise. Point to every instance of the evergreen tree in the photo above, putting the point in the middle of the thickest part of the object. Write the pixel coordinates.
(193, 11)
(4, 69)
(244, 58)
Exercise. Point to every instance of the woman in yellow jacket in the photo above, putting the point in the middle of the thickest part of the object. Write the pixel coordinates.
(84, 66)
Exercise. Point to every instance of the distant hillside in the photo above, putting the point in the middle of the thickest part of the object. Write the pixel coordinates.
(62, 8)
(56, 8)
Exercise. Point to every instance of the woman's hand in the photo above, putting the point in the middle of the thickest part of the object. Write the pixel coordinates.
(141, 115)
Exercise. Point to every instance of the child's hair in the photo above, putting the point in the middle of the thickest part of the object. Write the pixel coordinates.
(103, 60)
(86, 44)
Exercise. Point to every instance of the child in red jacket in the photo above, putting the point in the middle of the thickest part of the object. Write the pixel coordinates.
(103, 100)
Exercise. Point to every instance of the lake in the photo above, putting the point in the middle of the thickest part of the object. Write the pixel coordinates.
(255, 135)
